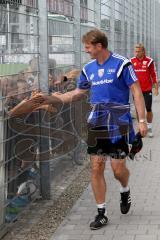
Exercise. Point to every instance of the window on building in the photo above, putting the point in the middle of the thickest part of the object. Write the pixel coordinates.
(63, 7)
(84, 11)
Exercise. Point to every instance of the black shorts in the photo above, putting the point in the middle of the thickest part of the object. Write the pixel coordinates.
(148, 100)
(99, 144)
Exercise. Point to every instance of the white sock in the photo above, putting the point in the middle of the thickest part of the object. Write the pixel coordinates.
(124, 189)
(102, 205)
(149, 125)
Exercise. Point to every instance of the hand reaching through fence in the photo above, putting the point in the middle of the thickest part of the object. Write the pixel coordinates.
(44, 99)
(36, 102)
(24, 107)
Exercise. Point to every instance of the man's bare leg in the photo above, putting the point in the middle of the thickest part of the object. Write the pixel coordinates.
(99, 189)
(121, 173)
(97, 178)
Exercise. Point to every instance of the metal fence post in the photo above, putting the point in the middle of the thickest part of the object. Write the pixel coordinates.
(112, 42)
(43, 65)
(2, 174)
(157, 46)
(77, 50)
(135, 24)
(145, 25)
(149, 26)
(129, 32)
(154, 29)
(98, 13)
(77, 33)
(123, 29)
(140, 23)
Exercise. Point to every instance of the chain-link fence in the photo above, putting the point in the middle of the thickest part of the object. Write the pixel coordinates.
(40, 48)
(19, 75)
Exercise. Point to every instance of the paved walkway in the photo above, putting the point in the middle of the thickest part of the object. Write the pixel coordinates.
(143, 220)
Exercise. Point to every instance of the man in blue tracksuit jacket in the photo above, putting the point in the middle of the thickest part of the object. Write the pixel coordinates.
(109, 78)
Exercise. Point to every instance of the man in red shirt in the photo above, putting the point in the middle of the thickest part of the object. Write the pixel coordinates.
(144, 67)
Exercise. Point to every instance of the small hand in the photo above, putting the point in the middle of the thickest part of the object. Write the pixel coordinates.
(143, 129)
(35, 92)
(42, 99)
(155, 91)
(23, 108)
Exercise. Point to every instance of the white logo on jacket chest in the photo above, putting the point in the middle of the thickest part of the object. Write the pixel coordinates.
(100, 72)
(91, 77)
(110, 71)
(101, 82)
(144, 62)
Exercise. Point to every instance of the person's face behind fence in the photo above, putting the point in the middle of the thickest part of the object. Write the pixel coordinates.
(22, 88)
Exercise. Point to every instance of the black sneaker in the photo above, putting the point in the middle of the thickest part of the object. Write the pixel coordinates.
(125, 202)
(100, 221)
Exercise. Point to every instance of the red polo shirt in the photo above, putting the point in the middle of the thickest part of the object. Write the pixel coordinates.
(145, 71)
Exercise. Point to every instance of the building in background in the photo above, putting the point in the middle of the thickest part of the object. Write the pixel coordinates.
(126, 23)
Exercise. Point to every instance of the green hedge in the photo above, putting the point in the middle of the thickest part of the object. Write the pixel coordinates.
(12, 68)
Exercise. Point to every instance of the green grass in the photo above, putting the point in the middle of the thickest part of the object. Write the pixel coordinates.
(12, 68)
(15, 68)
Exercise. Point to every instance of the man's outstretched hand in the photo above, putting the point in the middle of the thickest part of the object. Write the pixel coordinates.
(24, 107)
(44, 99)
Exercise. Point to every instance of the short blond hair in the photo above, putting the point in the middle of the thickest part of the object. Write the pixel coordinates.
(141, 46)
